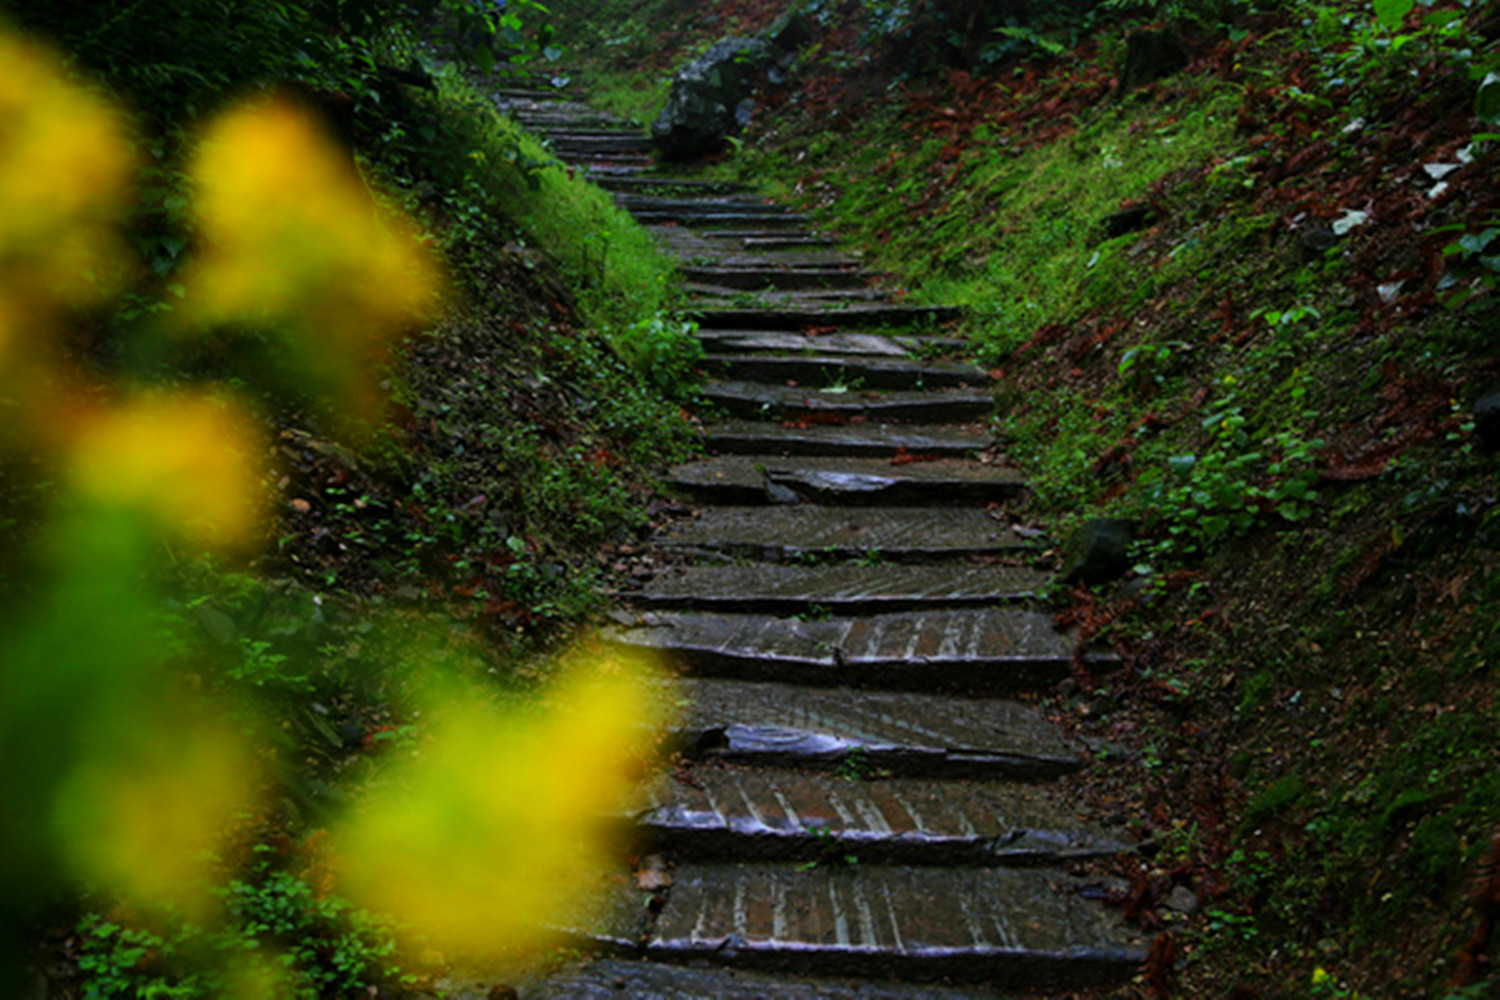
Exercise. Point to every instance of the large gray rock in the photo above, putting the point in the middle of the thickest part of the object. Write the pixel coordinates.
(707, 101)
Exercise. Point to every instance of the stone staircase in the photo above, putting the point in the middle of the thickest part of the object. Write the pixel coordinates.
(860, 809)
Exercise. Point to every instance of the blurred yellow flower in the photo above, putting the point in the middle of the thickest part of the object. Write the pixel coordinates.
(506, 820)
(192, 461)
(293, 239)
(143, 811)
(65, 172)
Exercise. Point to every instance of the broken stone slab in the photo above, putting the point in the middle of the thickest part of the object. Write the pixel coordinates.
(835, 481)
(620, 979)
(762, 401)
(1007, 927)
(791, 318)
(775, 589)
(804, 532)
(999, 650)
(865, 440)
(769, 276)
(832, 371)
(870, 733)
(718, 813)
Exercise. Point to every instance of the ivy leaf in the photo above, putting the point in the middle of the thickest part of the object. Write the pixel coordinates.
(1392, 12)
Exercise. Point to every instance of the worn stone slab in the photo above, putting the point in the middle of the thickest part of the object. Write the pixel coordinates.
(573, 144)
(724, 296)
(999, 650)
(792, 318)
(840, 589)
(866, 440)
(723, 255)
(615, 978)
(741, 479)
(730, 205)
(737, 814)
(1003, 926)
(708, 218)
(778, 402)
(759, 277)
(785, 341)
(663, 182)
(789, 533)
(821, 371)
(893, 734)
(786, 242)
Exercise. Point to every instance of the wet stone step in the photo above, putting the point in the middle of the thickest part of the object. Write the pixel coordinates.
(1007, 927)
(709, 217)
(723, 296)
(756, 278)
(720, 206)
(785, 242)
(666, 183)
(708, 253)
(973, 650)
(741, 479)
(831, 370)
(865, 440)
(728, 342)
(574, 145)
(876, 534)
(841, 589)
(792, 318)
(770, 402)
(721, 813)
(621, 979)
(870, 733)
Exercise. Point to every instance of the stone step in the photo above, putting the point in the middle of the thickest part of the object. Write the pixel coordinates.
(728, 205)
(870, 733)
(592, 161)
(707, 217)
(763, 276)
(841, 589)
(724, 296)
(1005, 927)
(822, 371)
(565, 144)
(865, 440)
(805, 532)
(735, 814)
(625, 979)
(665, 183)
(844, 317)
(772, 402)
(971, 650)
(773, 242)
(786, 342)
(709, 253)
(741, 479)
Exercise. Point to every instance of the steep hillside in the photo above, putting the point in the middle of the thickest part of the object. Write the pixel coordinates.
(1248, 305)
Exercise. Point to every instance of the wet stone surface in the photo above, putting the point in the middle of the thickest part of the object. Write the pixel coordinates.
(817, 371)
(770, 815)
(838, 589)
(880, 533)
(734, 479)
(838, 408)
(1009, 926)
(870, 732)
(635, 980)
(864, 439)
(990, 650)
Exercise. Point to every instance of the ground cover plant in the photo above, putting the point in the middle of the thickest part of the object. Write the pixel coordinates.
(1249, 305)
(294, 515)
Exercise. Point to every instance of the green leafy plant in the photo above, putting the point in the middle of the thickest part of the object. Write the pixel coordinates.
(664, 349)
